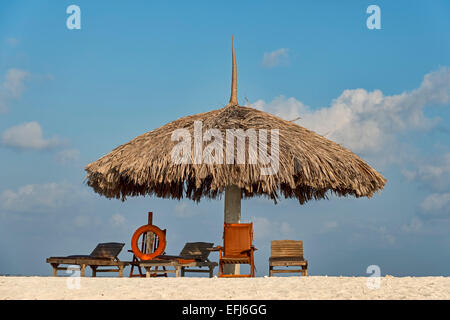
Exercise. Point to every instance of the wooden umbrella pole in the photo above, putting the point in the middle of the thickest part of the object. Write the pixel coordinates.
(232, 214)
(232, 210)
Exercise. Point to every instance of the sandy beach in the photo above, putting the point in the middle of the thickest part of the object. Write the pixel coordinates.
(312, 287)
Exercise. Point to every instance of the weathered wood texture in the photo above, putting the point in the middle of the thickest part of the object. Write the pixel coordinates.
(192, 258)
(104, 255)
(237, 248)
(287, 253)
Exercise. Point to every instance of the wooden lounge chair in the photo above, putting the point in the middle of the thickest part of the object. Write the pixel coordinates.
(192, 258)
(148, 245)
(288, 253)
(104, 255)
(199, 251)
(237, 248)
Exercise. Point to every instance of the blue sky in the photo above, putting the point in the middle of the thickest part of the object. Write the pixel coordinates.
(68, 97)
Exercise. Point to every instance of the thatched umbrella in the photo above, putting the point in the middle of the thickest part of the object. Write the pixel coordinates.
(164, 162)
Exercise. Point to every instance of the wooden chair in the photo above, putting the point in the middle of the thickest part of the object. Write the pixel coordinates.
(288, 253)
(104, 255)
(148, 245)
(237, 247)
(199, 251)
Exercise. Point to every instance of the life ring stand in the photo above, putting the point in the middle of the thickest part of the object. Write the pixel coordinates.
(161, 242)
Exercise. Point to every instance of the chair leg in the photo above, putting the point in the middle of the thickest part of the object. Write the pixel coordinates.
(270, 271)
(55, 269)
(211, 272)
(94, 271)
(305, 271)
(83, 269)
(182, 271)
(120, 271)
(135, 265)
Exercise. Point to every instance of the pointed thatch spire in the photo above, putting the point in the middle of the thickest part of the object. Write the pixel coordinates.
(233, 98)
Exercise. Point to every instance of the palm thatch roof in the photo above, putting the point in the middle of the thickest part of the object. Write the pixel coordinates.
(310, 166)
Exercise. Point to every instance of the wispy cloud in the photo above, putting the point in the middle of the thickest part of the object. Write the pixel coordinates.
(28, 136)
(46, 197)
(415, 225)
(67, 156)
(432, 173)
(275, 58)
(117, 219)
(329, 226)
(13, 42)
(184, 209)
(265, 228)
(436, 204)
(12, 87)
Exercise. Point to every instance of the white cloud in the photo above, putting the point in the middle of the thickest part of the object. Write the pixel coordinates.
(12, 87)
(368, 121)
(27, 136)
(40, 197)
(436, 204)
(275, 58)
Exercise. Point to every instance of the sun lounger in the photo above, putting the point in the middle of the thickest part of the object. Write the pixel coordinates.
(199, 251)
(288, 253)
(104, 255)
(192, 258)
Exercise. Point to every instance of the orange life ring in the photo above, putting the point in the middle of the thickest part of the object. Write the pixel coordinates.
(135, 246)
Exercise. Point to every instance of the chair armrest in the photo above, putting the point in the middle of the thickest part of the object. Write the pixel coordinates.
(218, 248)
(252, 248)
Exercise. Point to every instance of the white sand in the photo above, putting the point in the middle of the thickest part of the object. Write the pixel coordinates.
(313, 287)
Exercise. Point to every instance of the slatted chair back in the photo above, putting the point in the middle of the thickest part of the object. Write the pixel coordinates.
(197, 250)
(237, 237)
(109, 250)
(286, 248)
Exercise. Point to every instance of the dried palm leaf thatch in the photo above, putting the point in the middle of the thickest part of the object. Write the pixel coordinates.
(309, 165)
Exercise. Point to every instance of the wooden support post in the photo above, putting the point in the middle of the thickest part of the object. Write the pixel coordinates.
(232, 213)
